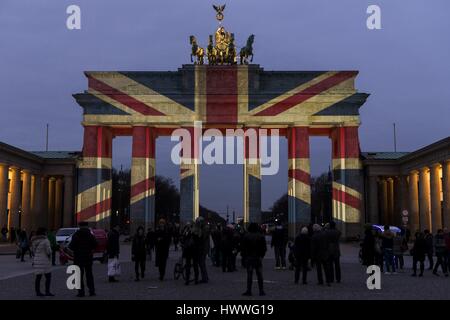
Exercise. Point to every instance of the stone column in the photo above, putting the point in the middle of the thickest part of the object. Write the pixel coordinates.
(143, 170)
(403, 193)
(68, 202)
(252, 176)
(446, 192)
(189, 176)
(36, 202)
(385, 200)
(4, 170)
(397, 202)
(391, 205)
(94, 177)
(26, 200)
(374, 215)
(435, 189)
(414, 220)
(51, 203)
(15, 198)
(299, 183)
(43, 215)
(424, 204)
(347, 181)
(58, 203)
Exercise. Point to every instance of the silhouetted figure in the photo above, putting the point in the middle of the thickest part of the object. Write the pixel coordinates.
(253, 251)
(418, 252)
(138, 253)
(441, 253)
(150, 241)
(190, 253)
(162, 245)
(113, 247)
(320, 254)
(429, 248)
(201, 238)
(333, 238)
(368, 248)
(279, 243)
(302, 252)
(83, 244)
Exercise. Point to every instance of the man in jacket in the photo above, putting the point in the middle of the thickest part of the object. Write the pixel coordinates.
(253, 251)
(302, 253)
(441, 252)
(333, 237)
(162, 245)
(83, 244)
(279, 242)
(320, 254)
(113, 247)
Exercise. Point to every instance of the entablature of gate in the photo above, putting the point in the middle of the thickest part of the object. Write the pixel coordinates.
(221, 96)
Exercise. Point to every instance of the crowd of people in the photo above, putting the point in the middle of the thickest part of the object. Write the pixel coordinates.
(387, 249)
(315, 247)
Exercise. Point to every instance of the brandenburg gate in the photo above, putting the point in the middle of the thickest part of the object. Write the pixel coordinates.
(221, 94)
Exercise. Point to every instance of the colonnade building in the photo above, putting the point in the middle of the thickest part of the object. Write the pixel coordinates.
(417, 182)
(37, 189)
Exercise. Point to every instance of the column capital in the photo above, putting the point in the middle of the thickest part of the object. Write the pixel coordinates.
(434, 165)
(424, 169)
(445, 162)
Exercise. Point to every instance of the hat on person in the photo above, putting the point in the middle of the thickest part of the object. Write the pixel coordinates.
(316, 227)
(304, 230)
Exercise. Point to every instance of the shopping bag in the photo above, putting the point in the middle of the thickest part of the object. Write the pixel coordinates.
(114, 267)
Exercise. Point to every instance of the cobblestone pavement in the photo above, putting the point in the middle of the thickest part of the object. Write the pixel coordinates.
(229, 286)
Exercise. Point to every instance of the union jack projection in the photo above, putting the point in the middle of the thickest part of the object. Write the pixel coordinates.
(148, 104)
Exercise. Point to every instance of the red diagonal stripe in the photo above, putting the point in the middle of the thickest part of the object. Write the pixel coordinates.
(142, 186)
(299, 175)
(94, 210)
(123, 98)
(306, 94)
(183, 170)
(346, 198)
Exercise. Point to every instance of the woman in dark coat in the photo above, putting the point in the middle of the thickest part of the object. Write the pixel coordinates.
(162, 245)
(138, 252)
(368, 248)
(302, 252)
(418, 252)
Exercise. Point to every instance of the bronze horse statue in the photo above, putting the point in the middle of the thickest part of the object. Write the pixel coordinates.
(197, 51)
(247, 51)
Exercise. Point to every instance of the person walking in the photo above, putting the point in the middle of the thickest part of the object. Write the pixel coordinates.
(441, 252)
(24, 245)
(320, 254)
(82, 245)
(418, 253)
(279, 243)
(302, 253)
(333, 238)
(368, 248)
(201, 236)
(216, 236)
(162, 245)
(176, 235)
(113, 248)
(430, 246)
(138, 253)
(190, 253)
(388, 250)
(42, 253)
(253, 251)
(227, 249)
(399, 247)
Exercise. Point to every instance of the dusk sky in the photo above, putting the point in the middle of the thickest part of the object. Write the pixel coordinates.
(405, 67)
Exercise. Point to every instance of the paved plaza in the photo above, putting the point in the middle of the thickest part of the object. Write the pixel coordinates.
(16, 281)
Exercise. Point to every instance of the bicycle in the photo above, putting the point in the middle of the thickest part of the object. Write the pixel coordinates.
(180, 270)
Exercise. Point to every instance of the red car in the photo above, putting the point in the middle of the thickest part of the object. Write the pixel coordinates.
(66, 255)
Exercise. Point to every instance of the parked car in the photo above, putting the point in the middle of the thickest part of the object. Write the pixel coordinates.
(100, 253)
(63, 234)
